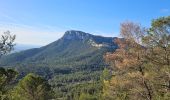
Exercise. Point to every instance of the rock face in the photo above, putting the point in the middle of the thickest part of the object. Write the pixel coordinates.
(93, 40)
(73, 35)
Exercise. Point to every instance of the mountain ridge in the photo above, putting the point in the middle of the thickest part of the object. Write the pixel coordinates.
(73, 60)
(74, 50)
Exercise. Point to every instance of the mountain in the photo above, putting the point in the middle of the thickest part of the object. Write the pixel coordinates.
(75, 51)
(71, 47)
(76, 58)
(21, 47)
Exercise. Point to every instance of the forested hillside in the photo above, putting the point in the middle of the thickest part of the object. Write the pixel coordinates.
(75, 60)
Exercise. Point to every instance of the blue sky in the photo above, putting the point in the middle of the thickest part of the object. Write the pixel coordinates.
(40, 22)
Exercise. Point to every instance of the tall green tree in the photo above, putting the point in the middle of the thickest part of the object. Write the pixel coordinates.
(7, 76)
(157, 42)
(32, 87)
(106, 75)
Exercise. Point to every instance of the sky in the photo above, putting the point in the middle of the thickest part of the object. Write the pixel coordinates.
(39, 22)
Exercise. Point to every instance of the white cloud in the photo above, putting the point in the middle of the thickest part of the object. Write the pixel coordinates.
(165, 10)
(5, 16)
(31, 35)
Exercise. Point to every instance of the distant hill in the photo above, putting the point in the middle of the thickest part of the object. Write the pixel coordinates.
(21, 47)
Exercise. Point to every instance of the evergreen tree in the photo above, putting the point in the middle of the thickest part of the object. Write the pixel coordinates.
(32, 87)
(7, 77)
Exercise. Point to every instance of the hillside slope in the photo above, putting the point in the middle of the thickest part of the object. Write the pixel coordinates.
(75, 48)
(74, 60)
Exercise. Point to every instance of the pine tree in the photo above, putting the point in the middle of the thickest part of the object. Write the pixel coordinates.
(32, 87)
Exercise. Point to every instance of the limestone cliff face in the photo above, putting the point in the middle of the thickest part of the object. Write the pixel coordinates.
(93, 40)
(72, 34)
